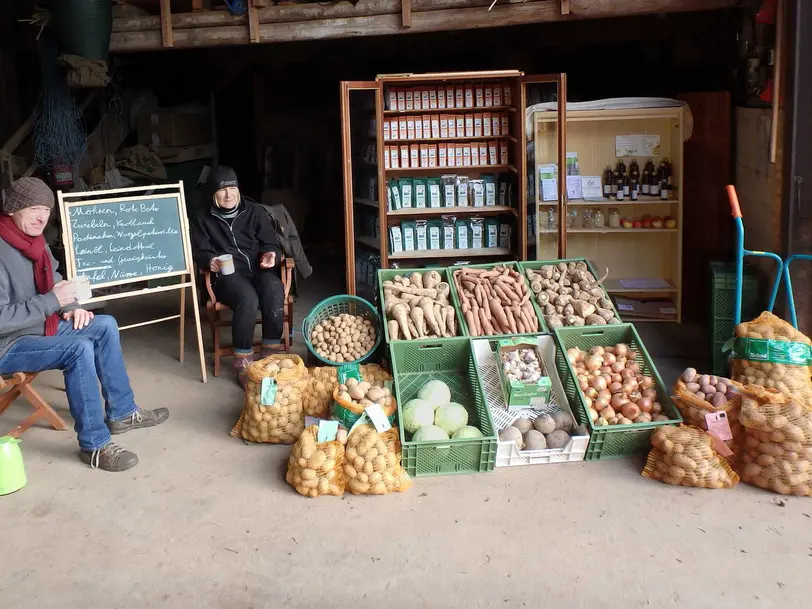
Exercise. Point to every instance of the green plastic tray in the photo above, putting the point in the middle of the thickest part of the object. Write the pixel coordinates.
(616, 440)
(723, 296)
(457, 302)
(386, 274)
(537, 264)
(414, 363)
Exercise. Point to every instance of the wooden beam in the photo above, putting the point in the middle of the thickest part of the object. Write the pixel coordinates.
(778, 79)
(406, 12)
(253, 22)
(391, 22)
(166, 24)
(565, 7)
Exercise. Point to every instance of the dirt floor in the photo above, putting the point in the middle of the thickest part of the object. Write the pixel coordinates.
(206, 521)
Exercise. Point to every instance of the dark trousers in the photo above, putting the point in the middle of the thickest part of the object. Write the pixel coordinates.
(245, 293)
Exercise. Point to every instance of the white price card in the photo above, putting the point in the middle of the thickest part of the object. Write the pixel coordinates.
(378, 418)
(549, 184)
(327, 430)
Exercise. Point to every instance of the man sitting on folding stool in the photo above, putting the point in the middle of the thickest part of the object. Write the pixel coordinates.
(42, 328)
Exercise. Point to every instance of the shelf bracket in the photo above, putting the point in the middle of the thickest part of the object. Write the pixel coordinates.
(565, 7)
(406, 12)
(253, 21)
(166, 24)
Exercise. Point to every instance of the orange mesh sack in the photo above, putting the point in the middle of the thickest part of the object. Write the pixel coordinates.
(693, 408)
(770, 353)
(316, 468)
(319, 393)
(777, 449)
(684, 456)
(372, 464)
(281, 421)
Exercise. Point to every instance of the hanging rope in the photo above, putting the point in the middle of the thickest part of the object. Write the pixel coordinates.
(59, 132)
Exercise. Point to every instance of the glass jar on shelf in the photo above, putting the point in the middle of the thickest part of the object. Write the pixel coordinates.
(573, 218)
(553, 219)
(587, 219)
(614, 217)
(597, 218)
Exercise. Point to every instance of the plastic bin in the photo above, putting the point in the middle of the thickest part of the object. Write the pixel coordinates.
(416, 362)
(507, 453)
(614, 441)
(723, 295)
(457, 301)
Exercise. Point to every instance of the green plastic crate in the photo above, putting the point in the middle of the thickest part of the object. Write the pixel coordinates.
(414, 363)
(723, 298)
(537, 264)
(387, 274)
(458, 303)
(613, 441)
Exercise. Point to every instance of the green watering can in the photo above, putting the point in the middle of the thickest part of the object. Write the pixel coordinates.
(12, 471)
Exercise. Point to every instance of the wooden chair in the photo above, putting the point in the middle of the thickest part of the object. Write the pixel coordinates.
(214, 308)
(19, 384)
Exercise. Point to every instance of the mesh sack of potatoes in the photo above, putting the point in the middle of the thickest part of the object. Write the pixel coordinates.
(693, 408)
(372, 462)
(316, 468)
(771, 353)
(684, 456)
(282, 421)
(318, 394)
(777, 450)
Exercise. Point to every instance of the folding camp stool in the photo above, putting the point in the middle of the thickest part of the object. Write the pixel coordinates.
(19, 384)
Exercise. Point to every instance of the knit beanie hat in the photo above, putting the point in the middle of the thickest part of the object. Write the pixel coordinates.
(222, 177)
(27, 192)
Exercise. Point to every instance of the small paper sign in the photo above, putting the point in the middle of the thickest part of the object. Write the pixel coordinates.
(310, 421)
(719, 446)
(379, 420)
(268, 391)
(592, 188)
(718, 425)
(574, 188)
(327, 430)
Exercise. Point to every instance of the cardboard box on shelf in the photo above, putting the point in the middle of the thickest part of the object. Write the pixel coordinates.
(387, 164)
(459, 97)
(392, 98)
(404, 157)
(477, 125)
(469, 96)
(432, 99)
(479, 96)
(483, 153)
(432, 156)
(401, 95)
(435, 127)
(460, 121)
(409, 99)
(488, 96)
(469, 125)
(450, 97)
(387, 134)
(418, 128)
(425, 98)
(496, 124)
(418, 100)
(497, 95)
(393, 160)
(414, 156)
(426, 120)
(487, 125)
(442, 159)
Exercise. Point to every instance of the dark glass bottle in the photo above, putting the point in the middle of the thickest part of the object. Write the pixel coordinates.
(607, 181)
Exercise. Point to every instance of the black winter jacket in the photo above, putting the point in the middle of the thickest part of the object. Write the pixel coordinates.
(246, 237)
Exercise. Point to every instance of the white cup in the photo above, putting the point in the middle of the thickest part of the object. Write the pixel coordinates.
(83, 291)
(226, 264)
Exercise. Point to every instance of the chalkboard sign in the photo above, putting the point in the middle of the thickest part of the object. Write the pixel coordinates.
(124, 240)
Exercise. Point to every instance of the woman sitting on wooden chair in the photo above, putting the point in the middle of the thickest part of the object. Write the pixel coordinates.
(236, 226)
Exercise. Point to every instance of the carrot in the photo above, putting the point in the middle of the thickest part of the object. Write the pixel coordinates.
(531, 315)
(511, 321)
(475, 309)
(469, 320)
(499, 314)
(478, 295)
(510, 291)
(486, 304)
(486, 325)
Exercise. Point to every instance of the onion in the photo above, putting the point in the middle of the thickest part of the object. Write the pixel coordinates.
(606, 369)
(618, 367)
(574, 355)
(633, 366)
(608, 378)
(627, 374)
(594, 362)
(631, 411)
(656, 407)
(596, 350)
(616, 378)
(588, 402)
(583, 384)
(629, 384)
(644, 404)
(591, 392)
(632, 355)
(619, 399)
(615, 387)
(650, 393)
(600, 403)
(609, 358)
(634, 396)
(621, 350)
(605, 394)
(608, 413)
(599, 383)
(646, 382)
(622, 360)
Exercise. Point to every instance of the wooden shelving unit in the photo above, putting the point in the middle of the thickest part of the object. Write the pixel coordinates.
(628, 253)
(510, 133)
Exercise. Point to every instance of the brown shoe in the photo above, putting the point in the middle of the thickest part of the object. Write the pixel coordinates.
(241, 365)
(140, 418)
(110, 458)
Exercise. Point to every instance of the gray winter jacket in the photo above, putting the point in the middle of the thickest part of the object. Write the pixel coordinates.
(22, 310)
(289, 238)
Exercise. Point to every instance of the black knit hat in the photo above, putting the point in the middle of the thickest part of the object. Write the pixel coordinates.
(222, 177)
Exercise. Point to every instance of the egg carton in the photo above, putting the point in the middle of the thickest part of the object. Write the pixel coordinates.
(508, 454)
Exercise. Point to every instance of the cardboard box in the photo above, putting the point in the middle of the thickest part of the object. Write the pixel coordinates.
(410, 128)
(469, 125)
(496, 125)
(477, 125)
(497, 95)
(469, 96)
(458, 155)
(451, 155)
(418, 99)
(503, 153)
(426, 120)
(424, 155)
(442, 159)
(488, 96)
(394, 132)
(392, 98)
(404, 157)
(466, 155)
(452, 126)
(387, 135)
(450, 95)
(401, 100)
(418, 128)
(414, 156)
(505, 124)
(432, 99)
(402, 124)
(522, 395)
(507, 95)
(475, 155)
(432, 156)
(487, 125)
(435, 127)
(409, 99)
(441, 102)
(425, 99)
(443, 126)
(483, 153)
(394, 157)
(493, 153)
(459, 97)
(175, 127)
(479, 96)
(460, 122)
(386, 161)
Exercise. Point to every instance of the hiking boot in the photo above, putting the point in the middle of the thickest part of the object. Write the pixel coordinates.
(269, 349)
(140, 418)
(110, 458)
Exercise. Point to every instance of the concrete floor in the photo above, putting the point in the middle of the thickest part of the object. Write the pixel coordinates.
(206, 521)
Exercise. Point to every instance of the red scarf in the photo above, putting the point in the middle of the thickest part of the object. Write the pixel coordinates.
(34, 249)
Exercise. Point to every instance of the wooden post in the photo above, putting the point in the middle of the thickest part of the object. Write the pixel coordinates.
(406, 12)
(253, 21)
(565, 7)
(166, 24)
(778, 78)
(197, 5)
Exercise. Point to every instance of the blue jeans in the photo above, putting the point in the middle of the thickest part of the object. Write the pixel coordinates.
(87, 357)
